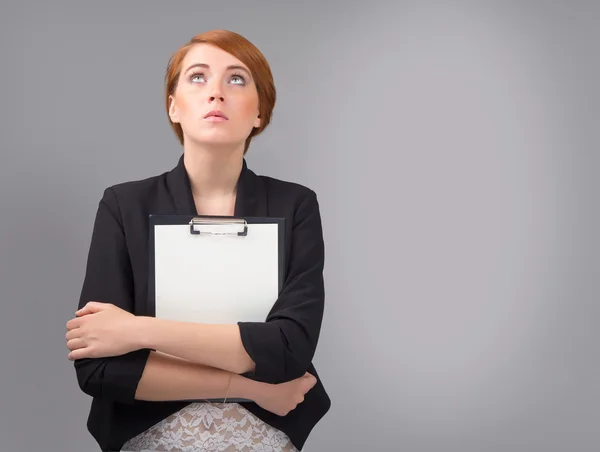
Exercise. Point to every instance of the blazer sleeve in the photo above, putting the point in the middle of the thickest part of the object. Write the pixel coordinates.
(283, 346)
(109, 279)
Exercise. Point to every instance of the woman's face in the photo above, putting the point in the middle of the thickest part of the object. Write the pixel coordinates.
(212, 80)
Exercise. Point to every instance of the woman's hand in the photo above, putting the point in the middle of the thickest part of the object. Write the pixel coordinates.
(284, 397)
(100, 330)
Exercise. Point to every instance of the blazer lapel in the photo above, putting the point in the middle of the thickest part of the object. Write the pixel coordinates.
(181, 191)
(251, 197)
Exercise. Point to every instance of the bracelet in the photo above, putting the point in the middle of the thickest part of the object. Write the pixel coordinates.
(228, 386)
(226, 394)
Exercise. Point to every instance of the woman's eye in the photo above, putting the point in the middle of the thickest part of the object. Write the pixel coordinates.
(235, 79)
(195, 77)
(238, 80)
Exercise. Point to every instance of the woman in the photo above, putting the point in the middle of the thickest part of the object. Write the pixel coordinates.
(143, 372)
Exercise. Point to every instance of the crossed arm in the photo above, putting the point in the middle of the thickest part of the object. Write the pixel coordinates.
(182, 354)
(124, 357)
(166, 377)
(102, 330)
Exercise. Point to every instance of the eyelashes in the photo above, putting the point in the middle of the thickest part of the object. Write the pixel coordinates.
(240, 77)
(234, 76)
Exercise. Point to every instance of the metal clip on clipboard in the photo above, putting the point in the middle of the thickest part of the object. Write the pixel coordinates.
(219, 226)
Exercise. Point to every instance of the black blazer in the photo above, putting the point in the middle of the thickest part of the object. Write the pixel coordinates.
(117, 272)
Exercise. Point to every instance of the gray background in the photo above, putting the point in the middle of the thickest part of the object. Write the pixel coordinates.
(453, 147)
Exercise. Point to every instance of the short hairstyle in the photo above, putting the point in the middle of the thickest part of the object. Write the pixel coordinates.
(241, 48)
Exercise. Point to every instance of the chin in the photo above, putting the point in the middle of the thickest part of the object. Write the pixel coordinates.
(217, 141)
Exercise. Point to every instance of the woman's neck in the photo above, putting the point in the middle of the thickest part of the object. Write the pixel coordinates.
(213, 172)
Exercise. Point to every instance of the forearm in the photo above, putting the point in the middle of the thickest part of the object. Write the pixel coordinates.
(218, 346)
(168, 378)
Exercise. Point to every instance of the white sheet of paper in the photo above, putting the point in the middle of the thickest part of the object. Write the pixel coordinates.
(216, 278)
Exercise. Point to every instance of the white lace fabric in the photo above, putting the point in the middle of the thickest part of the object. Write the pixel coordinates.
(199, 427)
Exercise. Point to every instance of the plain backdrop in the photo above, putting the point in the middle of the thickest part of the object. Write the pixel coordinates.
(454, 150)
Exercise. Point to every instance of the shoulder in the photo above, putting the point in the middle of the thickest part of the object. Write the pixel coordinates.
(291, 193)
(139, 187)
(131, 194)
(293, 200)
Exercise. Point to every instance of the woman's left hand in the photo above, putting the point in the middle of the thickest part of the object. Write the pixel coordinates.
(100, 330)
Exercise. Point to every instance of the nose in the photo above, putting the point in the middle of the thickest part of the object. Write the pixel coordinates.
(216, 93)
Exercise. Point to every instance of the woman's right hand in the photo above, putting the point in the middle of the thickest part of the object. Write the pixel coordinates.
(284, 397)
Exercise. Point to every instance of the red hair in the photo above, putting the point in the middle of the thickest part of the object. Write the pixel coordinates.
(243, 50)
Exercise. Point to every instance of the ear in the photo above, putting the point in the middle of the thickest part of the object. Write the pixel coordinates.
(173, 110)
(257, 122)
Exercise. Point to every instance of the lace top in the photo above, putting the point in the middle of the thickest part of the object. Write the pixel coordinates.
(223, 427)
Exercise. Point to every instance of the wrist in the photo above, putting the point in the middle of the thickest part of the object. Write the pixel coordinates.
(140, 332)
(245, 388)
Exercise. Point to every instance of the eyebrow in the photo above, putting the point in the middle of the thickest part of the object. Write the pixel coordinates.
(230, 67)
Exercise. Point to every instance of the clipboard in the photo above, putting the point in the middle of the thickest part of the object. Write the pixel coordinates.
(214, 269)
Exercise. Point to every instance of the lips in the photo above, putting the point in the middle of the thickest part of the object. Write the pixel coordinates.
(216, 114)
